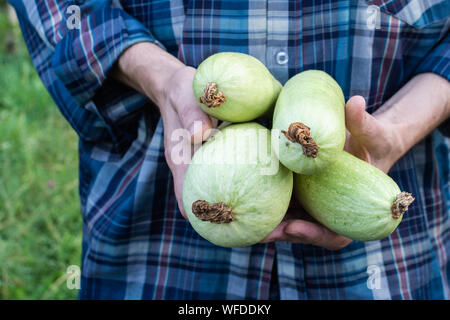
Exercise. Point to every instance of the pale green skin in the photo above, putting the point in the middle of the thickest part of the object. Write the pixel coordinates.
(315, 99)
(258, 201)
(350, 197)
(249, 87)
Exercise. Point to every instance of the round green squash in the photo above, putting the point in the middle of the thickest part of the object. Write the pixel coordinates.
(353, 198)
(235, 191)
(235, 87)
(310, 118)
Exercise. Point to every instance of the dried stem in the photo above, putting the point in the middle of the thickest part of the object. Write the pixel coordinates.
(214, 212)
(401, 204)
(212, 97)
(300, 133)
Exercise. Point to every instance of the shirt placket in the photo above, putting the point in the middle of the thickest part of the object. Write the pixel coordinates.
(290, 267)
(277, 56)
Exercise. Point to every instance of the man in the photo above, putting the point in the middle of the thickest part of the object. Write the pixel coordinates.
(104, 62)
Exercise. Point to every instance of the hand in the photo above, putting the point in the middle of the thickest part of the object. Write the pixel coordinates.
(299, 227)
(180, 110)
(367, 138)
(370, 138)
(167, 82)
(407, 117)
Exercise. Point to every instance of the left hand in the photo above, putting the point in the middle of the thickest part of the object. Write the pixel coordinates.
(368, 138)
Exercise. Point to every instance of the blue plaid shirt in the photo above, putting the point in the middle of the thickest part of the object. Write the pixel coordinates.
(136, 244)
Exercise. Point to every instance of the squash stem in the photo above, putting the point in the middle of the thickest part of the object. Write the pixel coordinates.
(401, 204)
(213, 212)
(212, 97)
(300, 133)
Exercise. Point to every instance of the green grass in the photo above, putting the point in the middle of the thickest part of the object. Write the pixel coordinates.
(40, 221)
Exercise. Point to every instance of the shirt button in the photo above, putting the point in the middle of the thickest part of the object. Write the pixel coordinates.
(282, 57)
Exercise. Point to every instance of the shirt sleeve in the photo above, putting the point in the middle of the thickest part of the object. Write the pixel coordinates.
(85, 55)
(438, 59)
(77, 43)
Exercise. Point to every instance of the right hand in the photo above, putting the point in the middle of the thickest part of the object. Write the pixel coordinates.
(180, 110)
(167, 82)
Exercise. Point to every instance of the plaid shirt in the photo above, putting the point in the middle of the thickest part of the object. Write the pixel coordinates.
(136, 243)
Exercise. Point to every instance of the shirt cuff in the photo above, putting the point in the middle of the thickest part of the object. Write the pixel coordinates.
(438, 60)
(83, 58)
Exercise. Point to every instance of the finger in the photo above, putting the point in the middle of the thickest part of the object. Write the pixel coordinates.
(196, 122)
(178, 178)
(191, 116)
(354, 113)
(278, 234)
(177, 163)
(359, 131)
(359, 123)
(312, 233)
(214, 121)
(292, 214)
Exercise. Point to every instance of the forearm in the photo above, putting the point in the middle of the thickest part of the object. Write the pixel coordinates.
(417, 109)
(146, 68)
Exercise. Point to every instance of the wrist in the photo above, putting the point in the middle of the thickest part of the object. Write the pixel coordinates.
(394, 138)
(398, 144)
(148, 69)
(415, 110)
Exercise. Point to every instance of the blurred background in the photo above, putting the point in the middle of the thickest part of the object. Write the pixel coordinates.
(40, 220)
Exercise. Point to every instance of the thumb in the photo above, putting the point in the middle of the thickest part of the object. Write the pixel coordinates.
(195, 120)
(199, 128)
(361, 124)
(191, 116)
